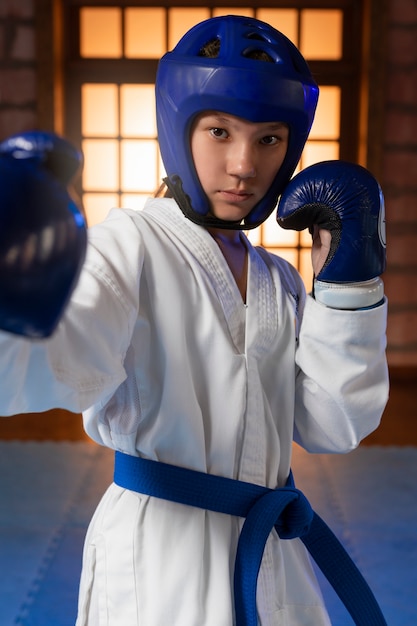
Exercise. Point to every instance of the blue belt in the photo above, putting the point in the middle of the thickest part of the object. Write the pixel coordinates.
(286, 509)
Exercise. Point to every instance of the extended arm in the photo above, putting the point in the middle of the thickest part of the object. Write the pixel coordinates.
(67, 310)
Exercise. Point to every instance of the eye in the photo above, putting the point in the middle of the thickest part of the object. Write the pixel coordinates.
(219, 133)
(270, 140)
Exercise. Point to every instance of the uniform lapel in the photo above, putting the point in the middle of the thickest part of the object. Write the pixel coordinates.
(205, 251)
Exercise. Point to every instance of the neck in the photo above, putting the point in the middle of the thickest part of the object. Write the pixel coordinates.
(228, 237)
(234, 251)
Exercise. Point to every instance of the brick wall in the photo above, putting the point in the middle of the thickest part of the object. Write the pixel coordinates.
(399, 181)
(19, 111)
(18, 108)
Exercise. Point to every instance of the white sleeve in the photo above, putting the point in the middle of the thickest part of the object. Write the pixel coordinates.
(82, 363)
(342, 385)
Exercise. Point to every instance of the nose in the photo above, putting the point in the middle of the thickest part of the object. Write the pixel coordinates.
(242, 161)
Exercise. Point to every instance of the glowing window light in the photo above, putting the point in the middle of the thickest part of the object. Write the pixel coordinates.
(284, 20)
(101, 162)
(138, 117)
(138, 165)
(145, 32)
(247, 12)
(101, 32)
(316, 151)
(98, 205)
(321, 34)
(181, 19)
(326, 123)
(99, 106)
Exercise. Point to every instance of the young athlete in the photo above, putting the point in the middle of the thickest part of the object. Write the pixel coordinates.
(183, 344)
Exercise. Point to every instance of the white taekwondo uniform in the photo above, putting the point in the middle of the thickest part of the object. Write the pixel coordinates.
(166, 361)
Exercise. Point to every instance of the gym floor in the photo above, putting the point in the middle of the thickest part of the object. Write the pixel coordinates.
(52, 477)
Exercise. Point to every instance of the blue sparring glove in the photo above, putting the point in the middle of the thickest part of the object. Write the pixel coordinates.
(43, 234)
(345, 199)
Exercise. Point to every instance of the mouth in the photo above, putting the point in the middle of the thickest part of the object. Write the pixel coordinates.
(236, 196)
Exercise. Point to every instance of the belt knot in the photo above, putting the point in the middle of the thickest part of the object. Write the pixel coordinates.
(296, 518)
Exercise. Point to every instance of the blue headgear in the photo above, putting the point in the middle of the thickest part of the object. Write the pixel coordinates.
(189, 83)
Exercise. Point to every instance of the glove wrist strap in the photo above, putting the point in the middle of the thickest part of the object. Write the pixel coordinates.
(346, 296)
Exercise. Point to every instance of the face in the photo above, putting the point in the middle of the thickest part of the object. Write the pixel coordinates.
(236, 160)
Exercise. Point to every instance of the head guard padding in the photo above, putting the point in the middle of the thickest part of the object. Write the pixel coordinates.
(280, 89)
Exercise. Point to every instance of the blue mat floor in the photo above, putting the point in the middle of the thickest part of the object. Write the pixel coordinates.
(49, 490)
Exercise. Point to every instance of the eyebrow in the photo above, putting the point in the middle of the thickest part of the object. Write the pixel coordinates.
(276, 126)
(269, 125)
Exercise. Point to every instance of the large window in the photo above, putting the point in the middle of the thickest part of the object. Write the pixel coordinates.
(110, 99)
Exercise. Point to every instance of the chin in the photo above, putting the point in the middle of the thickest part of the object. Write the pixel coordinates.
(230, 214)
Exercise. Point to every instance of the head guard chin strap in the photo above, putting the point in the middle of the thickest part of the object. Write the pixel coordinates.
(174, 184)
(235, 82)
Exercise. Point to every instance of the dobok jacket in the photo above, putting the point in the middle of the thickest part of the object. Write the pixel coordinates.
(165, 361)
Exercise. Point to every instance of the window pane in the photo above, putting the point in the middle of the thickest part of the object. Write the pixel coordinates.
(145, 32)
(327, 120)
(99, 110)
(255, 236)
(306, 268)
(101, 164)
(101, 32)
(305, 238)
(321, 34)
(286, 253)
(274, 235)
(284, 20)
(316, 151)
(97, 206)
(162, 172)
(181, 20)
(233, 11)
(134, 201)
(139, 165)
(137, 103)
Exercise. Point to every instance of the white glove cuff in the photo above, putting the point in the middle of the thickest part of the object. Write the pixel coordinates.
(349, 295)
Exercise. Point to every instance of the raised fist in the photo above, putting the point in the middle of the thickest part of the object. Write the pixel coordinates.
(42, 232)
(344, 200)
